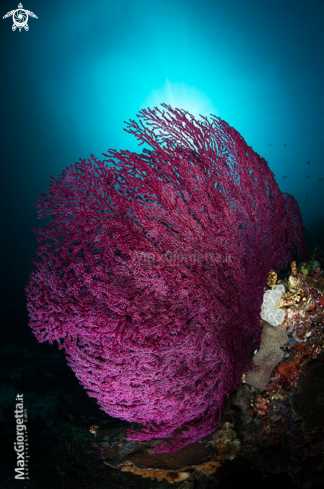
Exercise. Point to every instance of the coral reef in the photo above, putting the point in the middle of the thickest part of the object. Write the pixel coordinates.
(289, 404)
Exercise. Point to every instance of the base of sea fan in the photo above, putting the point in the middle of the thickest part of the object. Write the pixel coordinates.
(137, 457)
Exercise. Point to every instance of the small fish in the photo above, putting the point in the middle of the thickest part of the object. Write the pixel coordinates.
(321, 179)
(308, 162)
(285, 176)
(308, 176)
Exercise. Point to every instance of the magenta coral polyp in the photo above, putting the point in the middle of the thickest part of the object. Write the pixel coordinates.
(162, 342)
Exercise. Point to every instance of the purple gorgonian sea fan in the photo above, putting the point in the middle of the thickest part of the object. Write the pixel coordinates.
(151, 272)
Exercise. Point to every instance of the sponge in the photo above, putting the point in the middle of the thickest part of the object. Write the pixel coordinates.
(269, 311)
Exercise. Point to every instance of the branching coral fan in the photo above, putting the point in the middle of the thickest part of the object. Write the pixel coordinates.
(151, 272)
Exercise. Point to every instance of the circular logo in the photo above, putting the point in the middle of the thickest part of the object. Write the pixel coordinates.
(20, 18)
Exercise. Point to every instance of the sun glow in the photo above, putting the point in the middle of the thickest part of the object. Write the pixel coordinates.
(181, 96)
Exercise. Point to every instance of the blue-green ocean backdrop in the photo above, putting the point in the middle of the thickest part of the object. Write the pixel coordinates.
(83, 68)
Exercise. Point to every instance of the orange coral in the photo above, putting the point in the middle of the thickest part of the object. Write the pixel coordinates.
(173, 476)
(287, 369)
